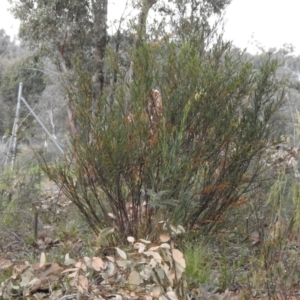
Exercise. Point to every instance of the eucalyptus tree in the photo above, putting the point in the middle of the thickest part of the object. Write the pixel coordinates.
(4, 42)
(74, 33)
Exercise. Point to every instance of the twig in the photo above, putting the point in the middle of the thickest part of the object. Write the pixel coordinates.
(67, 297)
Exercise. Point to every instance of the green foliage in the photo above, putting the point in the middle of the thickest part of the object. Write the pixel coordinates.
(199, 262)
(8, 48)
(4, 42)
(187, 160)
(178, 136)
(60, 30)
(8, 52)
(165, 126)
(273, 268)
(18, 191)
(25, 70)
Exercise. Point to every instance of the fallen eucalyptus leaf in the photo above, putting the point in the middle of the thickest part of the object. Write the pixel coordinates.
(97, 263)
(156, 291)
(130, 239)
(165, 246)
(164, 237)
(171, 295)
(83, 284)
(42, 259)
(69, 261)
(178, 257)
(134, 279)
(121, 253)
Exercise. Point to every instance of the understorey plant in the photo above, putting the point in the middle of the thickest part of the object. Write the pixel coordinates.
(165, 123)
(187, 151)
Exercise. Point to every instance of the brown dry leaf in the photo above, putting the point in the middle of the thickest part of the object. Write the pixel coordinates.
(110, 258)
(164, 237)
(155, 255)
(83, 283)
(97, 263)
(48, 274)
(19, 269)
(5, 264)
(36, 266)
(156, 291)
(70, 270)
(78, 264)
(178, 257)
(73, 275)
(154, 248)
(51, 269)
(56, 295)
(179, 270)
(34, 285)
(48, 241)
(172, 245)
(23, 267)
(42, 259)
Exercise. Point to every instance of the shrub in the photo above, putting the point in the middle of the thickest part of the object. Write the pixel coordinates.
(186, 151)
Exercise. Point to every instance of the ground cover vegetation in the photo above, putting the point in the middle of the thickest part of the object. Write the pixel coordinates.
(169, 187)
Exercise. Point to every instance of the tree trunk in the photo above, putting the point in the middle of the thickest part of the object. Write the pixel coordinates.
(100, 43)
